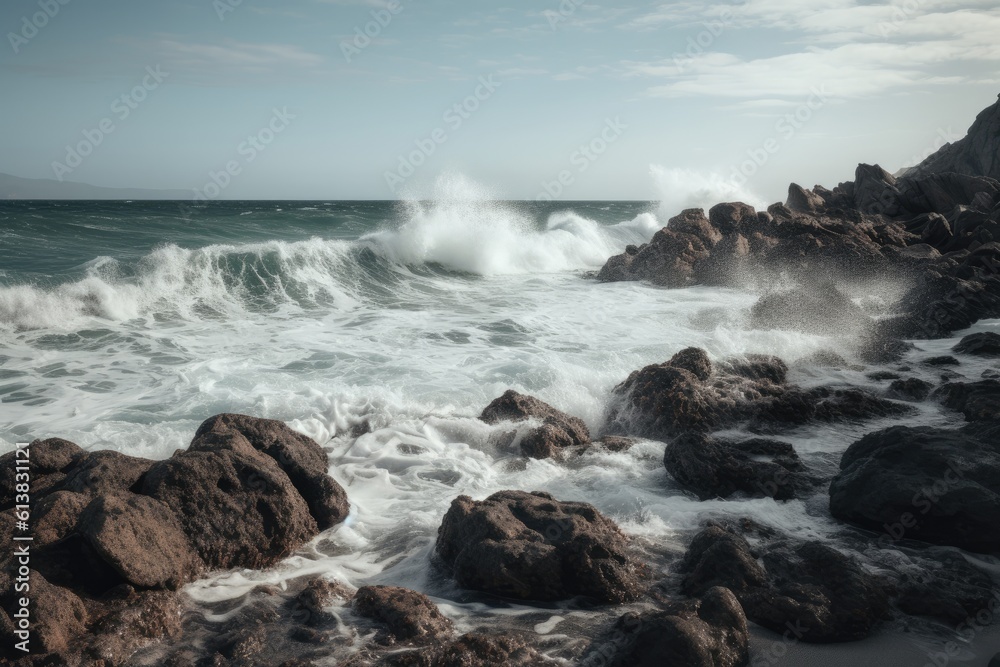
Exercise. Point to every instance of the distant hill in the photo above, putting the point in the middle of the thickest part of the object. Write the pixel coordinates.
(12, 187)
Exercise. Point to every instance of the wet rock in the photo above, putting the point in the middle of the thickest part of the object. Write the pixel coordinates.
(733, 217)
(407, 615)
(668, 260)
(944, 586)
(530, 546)
(824, 595)
(909, 389)
(710, 632)
(978, 401)
(300, 457)
(58, 615)
(716, 469)
(935, 485)
(141, 539)
(985, 344)
(757, 367)
(615, 443)
(945, 360)
(237, 507)
(475, 649)
(558, 430)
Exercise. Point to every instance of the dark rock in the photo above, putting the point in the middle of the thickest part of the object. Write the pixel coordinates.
(615, 443)
(715, 469)
(710, 632)
(558, 430)
(475, 649)
(978, 401)
(407, 615)
(694, 360)
(58, 615)
(532, 547)
(718, 557)
(985, 344)
(757, 367)
(880, 376)
(945, 587)
(928, 484)
(237, 506)
(729, 218)
(942, 361)
(668, 260)
(803, 201)
(910, 389)
(141, 539)
(974, 155)
(825, 595)
(299, 456)
(105, 472)
(693, 221)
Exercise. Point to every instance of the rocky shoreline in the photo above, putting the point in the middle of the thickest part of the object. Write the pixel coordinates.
(116, 538)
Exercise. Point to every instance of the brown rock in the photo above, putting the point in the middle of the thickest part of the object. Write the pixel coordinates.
(407, 615)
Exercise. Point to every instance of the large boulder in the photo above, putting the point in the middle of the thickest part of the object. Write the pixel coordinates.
(530, 546)
(986, 344)
(935, 485)
(712, 468)
(823, 594)
(708, 632)
(557, 431)
(978, 401)
(299, 456)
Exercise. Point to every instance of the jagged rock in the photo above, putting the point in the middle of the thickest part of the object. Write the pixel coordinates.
(407, 615)
(710, 632)
(978, 401)
(730, 218)
(985, 344)
(715, 469)
(802, 200)
(825, 595)
(558, 430)
(910, 389)
(935, 485)
(977, 154)
(532, 547)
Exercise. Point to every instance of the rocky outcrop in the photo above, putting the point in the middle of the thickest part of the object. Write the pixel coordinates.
(985, 344)
(117, 535)
(707, 632)
(530, 546)
(929, 484)
(557, 431)
(716, 469)
(935, 225)
(406, 615)
(977, 154)
(821, 593)
(688, 393)
(978, 401)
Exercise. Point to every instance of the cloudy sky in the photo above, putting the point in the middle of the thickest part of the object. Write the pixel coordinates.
(360, 99)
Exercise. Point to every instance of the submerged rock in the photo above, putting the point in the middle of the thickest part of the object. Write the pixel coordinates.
(708, 632)
(407, 615)
(985, 344)
(978, 401)
(530, 546)
(935, 485)
(475, 649)
(716, 469)
(821, 594)
(557, 432)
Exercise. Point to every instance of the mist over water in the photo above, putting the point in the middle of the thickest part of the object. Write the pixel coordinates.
(132, 325)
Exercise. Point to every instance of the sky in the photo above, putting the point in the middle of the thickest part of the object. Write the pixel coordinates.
(385, 99)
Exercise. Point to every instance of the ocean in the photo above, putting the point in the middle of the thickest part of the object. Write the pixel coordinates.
(123, 325)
